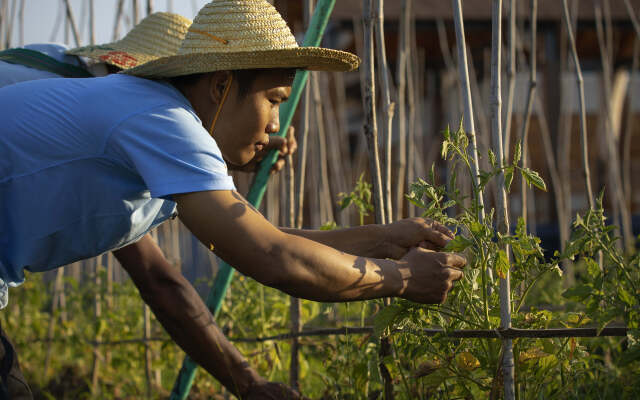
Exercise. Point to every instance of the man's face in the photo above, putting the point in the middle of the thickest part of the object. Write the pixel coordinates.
(247, 119)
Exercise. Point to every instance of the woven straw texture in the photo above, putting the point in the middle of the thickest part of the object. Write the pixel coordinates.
(158, 35)
(243, 34)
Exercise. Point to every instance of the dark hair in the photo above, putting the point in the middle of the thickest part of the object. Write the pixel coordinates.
(244, 77)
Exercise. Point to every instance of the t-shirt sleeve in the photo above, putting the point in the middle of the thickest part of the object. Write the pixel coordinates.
(171, 151)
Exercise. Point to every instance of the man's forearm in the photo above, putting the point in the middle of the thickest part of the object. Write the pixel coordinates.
(183, 314)
(365, 241)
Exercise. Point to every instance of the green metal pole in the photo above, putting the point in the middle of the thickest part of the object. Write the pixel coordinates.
(312, 38)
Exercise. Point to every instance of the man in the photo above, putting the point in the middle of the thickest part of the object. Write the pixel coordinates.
(118, 155)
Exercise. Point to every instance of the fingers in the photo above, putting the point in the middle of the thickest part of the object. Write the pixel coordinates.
(451, 260)
(441, 228)
(292, 142)
(435, 235)
(428, 246)
(276, 142)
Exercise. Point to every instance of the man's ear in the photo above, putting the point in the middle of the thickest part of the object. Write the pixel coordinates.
(217, 82)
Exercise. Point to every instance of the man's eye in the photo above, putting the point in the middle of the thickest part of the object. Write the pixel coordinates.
(274, 101)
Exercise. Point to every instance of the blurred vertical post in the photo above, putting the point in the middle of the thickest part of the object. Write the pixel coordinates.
(134, 12)
(72, 23)
(502, 211)
(511, 77)
(116, 24)
(97, 312)
(401, 79)
(583, 111)
(370, 124)
(469, 125)
(92, 23)
(149, 7)
(387, 104)
(529, 107)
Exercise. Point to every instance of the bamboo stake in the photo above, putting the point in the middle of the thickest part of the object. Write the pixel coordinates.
(9, 32)
(511, 77)
(632, 15)
(302, 157)
(294, 304)
(97, 312)
(57, 288)
(21, 22)
(149, 7)
(411, 65)
(134, 15)
(626, 155)
(3, 13)
(116, 24)
(613, 158)
(401, 79)
(72, 23)
(92, 27)
(529, 107)
(370, 125)
(583, 111)
(469, 125)
(325, 192)
(502, 212)
(387, 105)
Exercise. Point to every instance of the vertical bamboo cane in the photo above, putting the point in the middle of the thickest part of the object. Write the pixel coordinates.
(469, 125)
(412, 82)
(302, 157)
(97, 312)
(116, 24)
(134, 12)
(583, 111)
(294, 305)
(615, 175)
(529, 107)
(401, 79)
(21, 22)
(370, 125)
(72, 23)
(387, 104)
(92, 26)
(629, 126)
(511, 76)
(149, 7)
(502, 211)
(9, 30)
(325, 192)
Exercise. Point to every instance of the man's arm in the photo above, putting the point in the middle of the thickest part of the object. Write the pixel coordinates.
(304, 268)
(382, 241)
(186, 318)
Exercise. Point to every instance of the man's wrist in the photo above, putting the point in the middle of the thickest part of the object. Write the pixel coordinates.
(394, 277)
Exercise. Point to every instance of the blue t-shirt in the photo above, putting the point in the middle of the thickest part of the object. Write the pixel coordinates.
(89, 165)
(13, 73)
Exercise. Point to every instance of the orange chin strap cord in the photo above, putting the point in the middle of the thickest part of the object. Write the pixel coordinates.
(227, 87)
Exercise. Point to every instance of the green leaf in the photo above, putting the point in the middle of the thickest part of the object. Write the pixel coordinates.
(384, 318)
(502, 264)
(492, 159)
(593, 269)
(578, 293)
(533, 178)
(458, 244)
(508, 178)
(625, 296)
(517, 154)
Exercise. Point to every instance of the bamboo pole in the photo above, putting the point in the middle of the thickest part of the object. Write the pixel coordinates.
(72, 23)
(387, 105)
(401, 79)
(411, 65)
(533, 7)
(149, 7)
(325, 191)
(370, 125)
(511, 77)
(294, 303)
(134, 13)
(629, 126)
(3, 13)
(21, 22)
(302, 157)
(118, 19)
(97, 313)
(92, 27)
(469, 125)
(615, 176)
(502, 212)
(632, 15)
(583, 111)
(10, 21)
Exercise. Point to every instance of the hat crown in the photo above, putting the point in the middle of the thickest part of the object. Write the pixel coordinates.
(229, 26)
(160, 27)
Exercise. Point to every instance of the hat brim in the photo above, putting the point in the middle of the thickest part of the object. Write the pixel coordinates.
(310, 58)
(114, 54)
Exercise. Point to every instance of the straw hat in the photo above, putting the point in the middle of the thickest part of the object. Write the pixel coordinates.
(158, 35)
(242, 34)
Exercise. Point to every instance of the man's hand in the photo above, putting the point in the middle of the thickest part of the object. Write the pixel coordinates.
(428, 275)
(265, 390)
(286, 146)
(401, 236)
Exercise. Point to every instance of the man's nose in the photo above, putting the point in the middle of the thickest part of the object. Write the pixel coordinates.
(273, 126)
